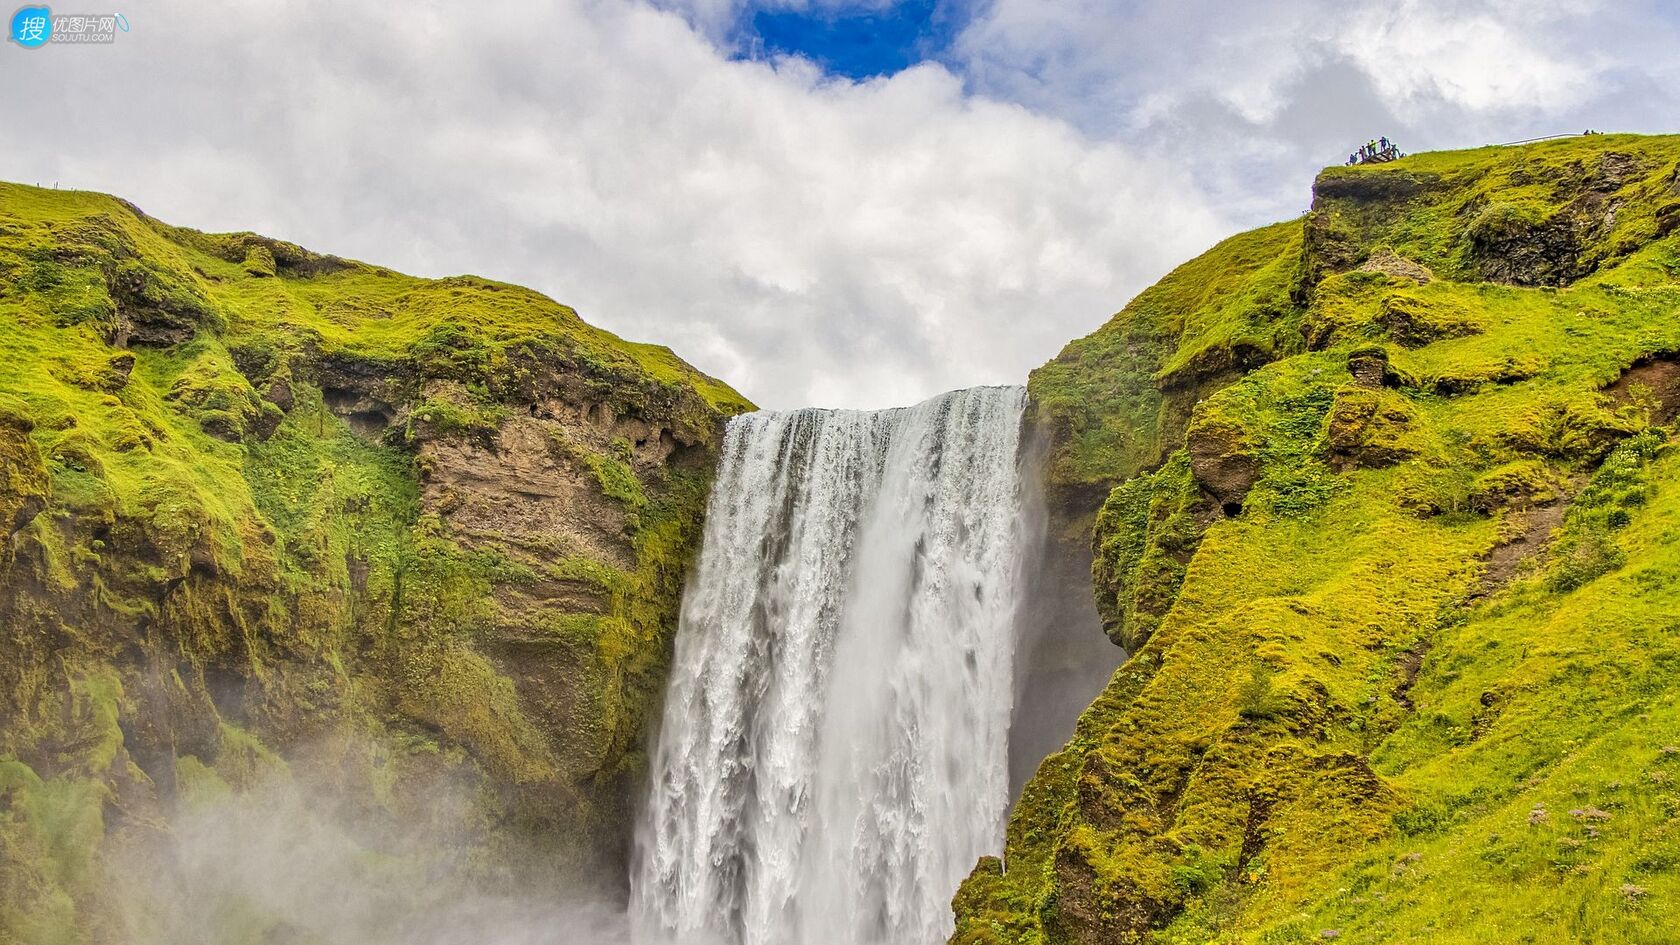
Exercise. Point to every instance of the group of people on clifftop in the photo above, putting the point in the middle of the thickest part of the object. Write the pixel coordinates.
(1375, 151)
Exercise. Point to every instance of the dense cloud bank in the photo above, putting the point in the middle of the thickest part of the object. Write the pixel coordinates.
(810, 239)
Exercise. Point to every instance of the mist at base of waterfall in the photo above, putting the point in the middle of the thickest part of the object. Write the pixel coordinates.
(293, 860)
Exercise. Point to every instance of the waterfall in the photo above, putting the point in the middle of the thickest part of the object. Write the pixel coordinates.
(833, 754)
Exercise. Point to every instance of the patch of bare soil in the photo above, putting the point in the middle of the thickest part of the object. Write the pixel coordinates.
(1654, 383)
(1538, 522)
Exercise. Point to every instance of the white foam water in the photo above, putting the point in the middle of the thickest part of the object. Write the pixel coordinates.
(833, 752)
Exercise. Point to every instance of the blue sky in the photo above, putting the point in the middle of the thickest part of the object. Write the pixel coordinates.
(857, 41)
(843, 203)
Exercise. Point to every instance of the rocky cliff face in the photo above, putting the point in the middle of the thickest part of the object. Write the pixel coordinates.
(1382, 503)
(270, 514)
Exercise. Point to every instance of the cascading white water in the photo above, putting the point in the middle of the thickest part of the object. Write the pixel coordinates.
(833, 756)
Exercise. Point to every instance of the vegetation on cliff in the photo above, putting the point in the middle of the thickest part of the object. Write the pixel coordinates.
(264, 507)
(1388, 530)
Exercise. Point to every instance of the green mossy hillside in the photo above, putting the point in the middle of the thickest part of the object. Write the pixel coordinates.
(261, 502)
(1385, 513)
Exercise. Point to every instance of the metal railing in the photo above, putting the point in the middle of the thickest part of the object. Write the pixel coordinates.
(1569, 134)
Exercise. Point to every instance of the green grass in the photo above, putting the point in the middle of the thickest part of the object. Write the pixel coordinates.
(1330, 726)
(1540, 773)
(1102, 396)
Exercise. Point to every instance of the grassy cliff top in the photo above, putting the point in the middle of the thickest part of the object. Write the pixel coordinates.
(79, 257)
(1539, 216)
(1387, 522)
(93, 293)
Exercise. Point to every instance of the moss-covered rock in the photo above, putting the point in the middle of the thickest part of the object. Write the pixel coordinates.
(257, 500)
(1372, 703)
(1149, 529)
(1414, 321)
(1223, 458)
(1371, 428)
(24, 485)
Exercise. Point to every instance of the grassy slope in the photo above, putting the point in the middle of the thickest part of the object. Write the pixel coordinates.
(177, 536)
(1271, 765)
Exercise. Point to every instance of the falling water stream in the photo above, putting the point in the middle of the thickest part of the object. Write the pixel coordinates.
(834, 750)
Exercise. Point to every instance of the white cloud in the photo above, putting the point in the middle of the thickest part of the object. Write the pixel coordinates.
(1254, 97)
(1477, 54)
(1500, 57)
(812, 241)
(808, 239)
